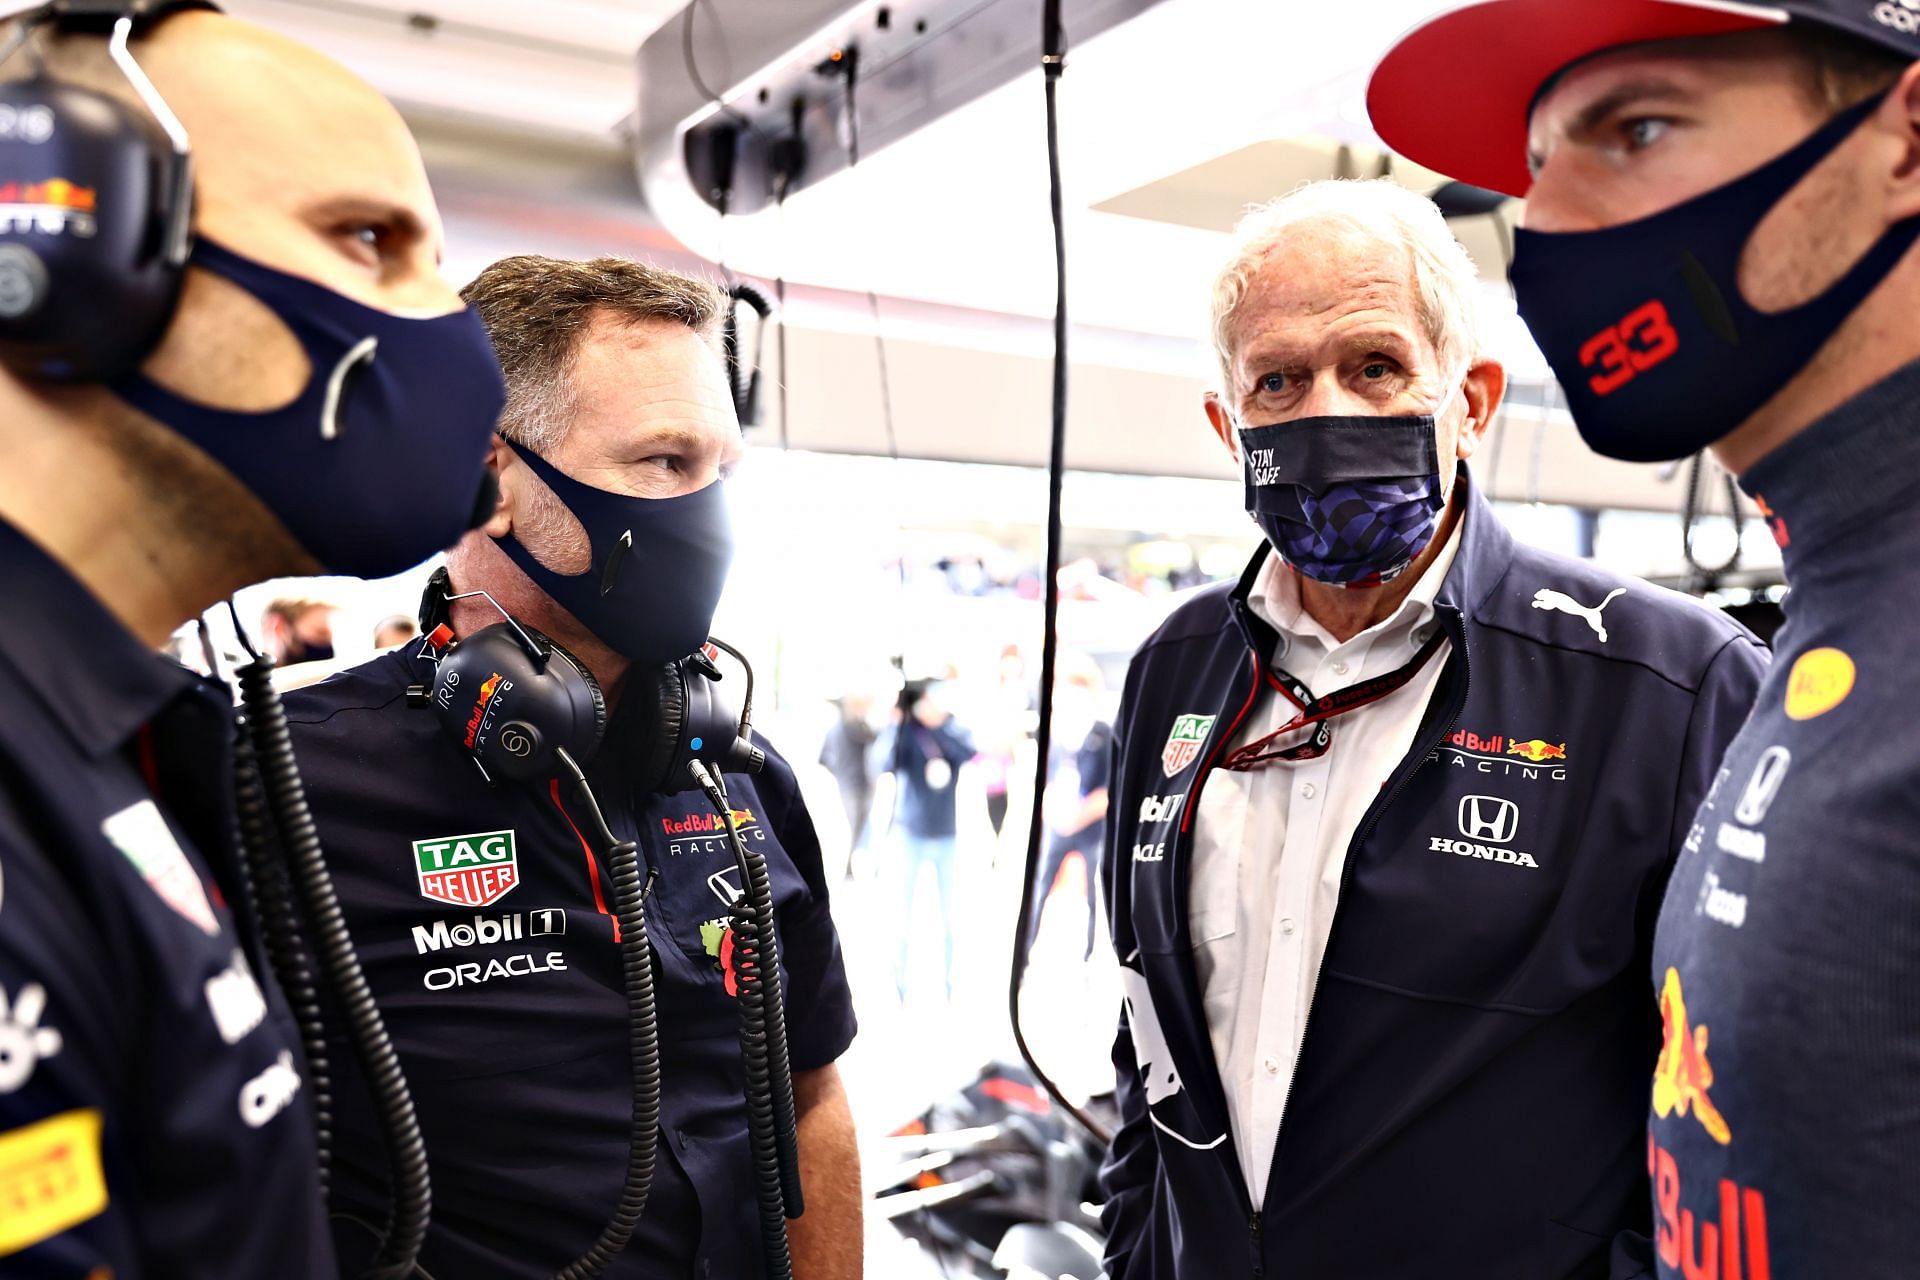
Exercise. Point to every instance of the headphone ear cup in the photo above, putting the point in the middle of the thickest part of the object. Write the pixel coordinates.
(596, 697)
(86, 287)
(593, 690)
(662, 694)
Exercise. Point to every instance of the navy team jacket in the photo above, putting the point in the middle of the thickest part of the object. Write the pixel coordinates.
(1470, 1099)
(156, 1111)
(483, 918)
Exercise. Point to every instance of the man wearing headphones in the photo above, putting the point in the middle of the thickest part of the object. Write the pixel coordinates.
(482, 909)
(1722, 204)
(171, 435)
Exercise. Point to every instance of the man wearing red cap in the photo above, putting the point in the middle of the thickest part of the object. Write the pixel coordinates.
(1722, 204)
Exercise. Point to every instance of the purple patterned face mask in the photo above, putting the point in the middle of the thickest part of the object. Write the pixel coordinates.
(1350, 501)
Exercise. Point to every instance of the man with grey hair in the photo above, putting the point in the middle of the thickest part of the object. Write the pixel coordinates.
(1393, 814)
(502, 982)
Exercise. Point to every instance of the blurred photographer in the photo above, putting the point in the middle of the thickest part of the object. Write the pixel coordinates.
(923, 749)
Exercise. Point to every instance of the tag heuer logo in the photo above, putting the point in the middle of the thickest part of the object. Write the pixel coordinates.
(1184, 743)
(475, 870)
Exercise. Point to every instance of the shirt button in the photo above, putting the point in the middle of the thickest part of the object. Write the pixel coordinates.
(1272, 1064)
(1286, 924)
(1339, 668)
(1308, 790)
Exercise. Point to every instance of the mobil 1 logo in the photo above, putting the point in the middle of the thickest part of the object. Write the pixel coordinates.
(485, 930)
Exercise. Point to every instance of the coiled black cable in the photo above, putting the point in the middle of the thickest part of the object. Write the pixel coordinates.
(270, 902)
(760, 1007)
(286, 805)
(758, 884)
(643, 1038)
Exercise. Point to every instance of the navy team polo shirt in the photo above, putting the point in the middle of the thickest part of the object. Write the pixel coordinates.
(1783, 1137)
(154, 1110)
(483, 917)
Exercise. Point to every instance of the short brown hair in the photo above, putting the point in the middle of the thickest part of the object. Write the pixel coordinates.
(1845, 70)
(537, 309)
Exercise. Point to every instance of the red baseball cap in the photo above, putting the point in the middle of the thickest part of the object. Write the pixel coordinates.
(1455, 93)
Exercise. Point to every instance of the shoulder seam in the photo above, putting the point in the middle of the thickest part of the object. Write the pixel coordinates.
(1693, 687)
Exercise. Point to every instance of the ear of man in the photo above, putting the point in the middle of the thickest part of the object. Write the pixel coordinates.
(1484, 387)
(1899, 116)
(1220, 418)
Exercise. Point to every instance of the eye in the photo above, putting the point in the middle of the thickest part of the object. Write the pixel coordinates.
(1374, 370)
(1643, 131)
(366, 242)
(1271, 383)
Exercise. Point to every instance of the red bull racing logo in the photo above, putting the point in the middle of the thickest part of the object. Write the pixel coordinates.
(1683, 1076)
(53, 207)
(1692, 1242)
(706, 823)
(488, 688)
(1538, 750)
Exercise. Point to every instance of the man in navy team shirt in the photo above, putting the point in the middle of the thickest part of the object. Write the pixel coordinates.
(482, 913)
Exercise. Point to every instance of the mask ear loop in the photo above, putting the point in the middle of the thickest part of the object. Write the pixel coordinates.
(361, 353)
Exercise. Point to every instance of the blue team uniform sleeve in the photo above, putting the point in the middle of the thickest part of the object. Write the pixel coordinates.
(820, 1021)
(1132, 1164)
(1726, 696)
(1721, 706)
(65, 1198)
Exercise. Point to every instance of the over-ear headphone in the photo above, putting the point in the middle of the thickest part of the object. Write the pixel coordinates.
(514, 699)
(96, 205)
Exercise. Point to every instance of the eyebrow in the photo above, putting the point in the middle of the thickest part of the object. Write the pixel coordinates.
(668, 438)
(1589, 118)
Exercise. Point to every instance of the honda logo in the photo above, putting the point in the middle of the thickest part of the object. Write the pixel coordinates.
(1763, 786)
(1489, 818)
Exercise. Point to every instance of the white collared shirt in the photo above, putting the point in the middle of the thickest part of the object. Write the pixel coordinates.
(1269, 845)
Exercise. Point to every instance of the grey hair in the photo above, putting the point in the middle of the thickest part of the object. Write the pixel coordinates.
(1446, 283)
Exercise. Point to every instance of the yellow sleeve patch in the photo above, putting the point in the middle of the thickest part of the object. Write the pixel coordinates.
(50, 1178)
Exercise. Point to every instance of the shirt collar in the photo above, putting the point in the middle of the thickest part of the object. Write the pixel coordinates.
(1844, 471)
(1275, 599)
(93, 676)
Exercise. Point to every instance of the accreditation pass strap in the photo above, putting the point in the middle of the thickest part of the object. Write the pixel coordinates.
(1319, 713)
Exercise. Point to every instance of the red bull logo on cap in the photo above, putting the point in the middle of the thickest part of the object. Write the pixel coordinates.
(1538, 749)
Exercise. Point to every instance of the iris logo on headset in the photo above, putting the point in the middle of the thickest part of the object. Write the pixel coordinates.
(96, 216)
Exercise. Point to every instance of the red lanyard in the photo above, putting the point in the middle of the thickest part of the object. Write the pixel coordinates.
(1319, 712)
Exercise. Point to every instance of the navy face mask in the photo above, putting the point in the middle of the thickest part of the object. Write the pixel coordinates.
(381, 460)
(1644, 323)
(1345, 500)
(659, 565)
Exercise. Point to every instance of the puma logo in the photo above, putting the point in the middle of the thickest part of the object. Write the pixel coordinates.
(1546, 599)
